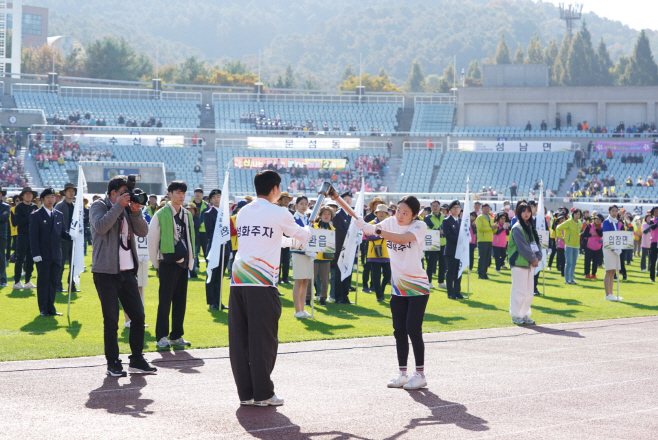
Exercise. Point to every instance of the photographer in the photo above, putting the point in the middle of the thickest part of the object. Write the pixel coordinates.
(115, 220)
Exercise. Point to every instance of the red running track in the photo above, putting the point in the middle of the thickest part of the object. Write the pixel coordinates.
(593, 380)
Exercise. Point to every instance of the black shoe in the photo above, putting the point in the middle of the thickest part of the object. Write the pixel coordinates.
(624, 278)
(193, 274)
(224, 307)
(44, 314)
(139, 365)
(56, 314)
(380, 299)
(366, 290)
(459, 296)
(346, 302)
(452, 297)
(115, 369)
(214, 307)
(323, 302)
(308, 302)
(280, 293)
(352, 289)
(537, 292)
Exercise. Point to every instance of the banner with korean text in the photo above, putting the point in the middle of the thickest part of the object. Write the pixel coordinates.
(260, 163)
(315, 143)
(623, 146)
(514, 146)
(110, 140)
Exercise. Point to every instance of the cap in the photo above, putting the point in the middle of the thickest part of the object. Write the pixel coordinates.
(381, 208)
(346, 194)
(327, 208)
(248, 198)
(600, 217)
(453, 204)
(242, 204)
(214, 192)
(444, 206)
(47, 192)
(199, 190)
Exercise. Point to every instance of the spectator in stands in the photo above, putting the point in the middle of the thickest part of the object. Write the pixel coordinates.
(352, 127)
(568, 119)
(528, 126)
(159, 123)
(543, 126)
(197, 168)
(558, 121)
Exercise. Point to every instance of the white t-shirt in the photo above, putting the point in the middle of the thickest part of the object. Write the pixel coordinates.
(126, 261)
(260, 226)
(408, 277)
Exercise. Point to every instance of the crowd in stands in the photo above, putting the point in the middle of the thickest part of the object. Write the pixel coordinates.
(48, 149)
(12, 173)
(621, 130)
(76, 119)
(260, 121)
(151, 122)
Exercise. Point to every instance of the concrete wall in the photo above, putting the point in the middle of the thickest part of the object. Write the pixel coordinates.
(515, 75)
(596, 105)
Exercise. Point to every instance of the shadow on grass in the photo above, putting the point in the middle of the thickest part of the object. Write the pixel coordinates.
(322, 327)
(567, 313)
(480, 305)
(554, 331)
(121, 399)
(639, 306)
(124, 335)
(179, 360)
(567, 301)
(22, 293)
(349, 312)
(445, 320)
(41, 325)
(63, 298)
(73, 328)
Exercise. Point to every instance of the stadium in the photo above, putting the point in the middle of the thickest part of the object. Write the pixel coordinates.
(500, 136)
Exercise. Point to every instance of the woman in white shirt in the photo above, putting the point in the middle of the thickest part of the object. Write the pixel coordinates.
(302, 263)
(405, 236)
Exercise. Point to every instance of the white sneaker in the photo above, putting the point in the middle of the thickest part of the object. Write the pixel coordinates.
(126, 324)
(29, 285)
(518, 321)
(499, 271)
(399, 381)
(331, 300)
(443, 285)
(302, 314)
(272, 401)
(612, 298)
(18, 285)
(432, 286)
(180, 342)
(529, 321)
(417, 381)
(249, 402)
(163, 342)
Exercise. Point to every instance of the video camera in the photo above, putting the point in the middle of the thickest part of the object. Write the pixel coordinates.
(136, 195)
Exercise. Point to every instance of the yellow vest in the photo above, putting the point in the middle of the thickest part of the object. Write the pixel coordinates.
(14, 229)
(371, 247)
(321, 254)
(234, 238)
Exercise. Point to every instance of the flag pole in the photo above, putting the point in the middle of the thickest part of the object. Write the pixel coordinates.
(221, 274)
(356, 295)
(543, 217)
(68, 307)
(468, 267)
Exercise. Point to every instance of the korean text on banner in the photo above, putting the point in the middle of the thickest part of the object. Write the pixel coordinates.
(513, 146)
(77, 231)
(301, 143)
(322, 240)
(222, 232)
(259, 163)
(614, 240)
(432, 240)
(463, 251)
(352, 239)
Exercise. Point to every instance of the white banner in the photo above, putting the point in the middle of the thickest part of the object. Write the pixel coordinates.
(544, 235)
(352, 239)
(322, 240)
(462, 252)
(540, 226)
(222, 232)
(314, 143)
(109, 140)
(432, 240)
(77, 229)
(618, 240)
(142, 247)
(514, 146)
(602, 208)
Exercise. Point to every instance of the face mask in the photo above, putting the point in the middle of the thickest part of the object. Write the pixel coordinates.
(506, 206)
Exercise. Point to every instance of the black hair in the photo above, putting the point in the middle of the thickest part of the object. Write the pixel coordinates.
(501, 214)
(474, 214)
(177, 185)
(486, 205)
(413, 204)
(532, 203)
(613, 206)
(265, 181)
(117, 182)
(300, 198)
(528, 227)
(198, 190)
(436, 201)
(575, 211)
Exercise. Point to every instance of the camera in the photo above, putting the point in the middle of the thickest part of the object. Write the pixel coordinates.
(136, 195)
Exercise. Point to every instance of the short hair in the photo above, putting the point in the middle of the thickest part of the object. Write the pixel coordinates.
(486, 205)
(413, 204)
(117, 182)
(265, 181)
(474, 214)
(300, 198)
(198, 190)
(532, 203)
(436, 201)
(177, 185)
(613, 206)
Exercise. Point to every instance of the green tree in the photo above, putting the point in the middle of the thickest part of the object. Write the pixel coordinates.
(40, 61)
(502, 52)
(416, 79)
(349, 71)
(74, 64)
(473, 71)
(236, 67)
(432, 82)
(535, 52)
(371, 83)
(642, 69)
(581, 68)
(560, 63)
(287, 81)
(519, 56)
(449, 74)
(620, 69)
(383, 73)
(192, 71)
(604, 66)
(111, 58)
(551, 53)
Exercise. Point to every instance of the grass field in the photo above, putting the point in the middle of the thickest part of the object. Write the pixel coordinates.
(26, 335)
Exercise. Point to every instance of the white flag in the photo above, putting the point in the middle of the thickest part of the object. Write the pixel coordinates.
(222, 232)
(352, 239)
(540, 225)
(77, 229)
(462, 253)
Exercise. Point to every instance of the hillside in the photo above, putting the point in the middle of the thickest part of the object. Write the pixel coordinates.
(321, 38)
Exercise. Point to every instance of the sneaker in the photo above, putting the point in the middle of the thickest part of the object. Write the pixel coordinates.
(180, 342)
(432, 286)
(443, 285)
(115, 369)
(499, 271)
(3, 284)
(528, 321)
(249, 402)
(331, 300)
(18, 285)
(139, 365)
(366, 290)
(399, 381)
(163, 342)
(518, 321)
(29, 285)
(272, 401)
(612, 298)
(302, 314)
(417, 381)
(587, 277)
(323, 302)
(126, 324)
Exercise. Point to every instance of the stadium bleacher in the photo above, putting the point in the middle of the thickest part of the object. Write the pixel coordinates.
(363, 116)
(621, 171)
(432, 119)
(172, 113)
(520, 132)
(497, 170)
(242, 180)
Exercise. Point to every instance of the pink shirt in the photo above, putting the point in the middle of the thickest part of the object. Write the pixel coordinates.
(646, 238)
(500, 240)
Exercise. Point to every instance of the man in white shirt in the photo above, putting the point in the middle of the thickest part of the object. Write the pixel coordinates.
(254, 304)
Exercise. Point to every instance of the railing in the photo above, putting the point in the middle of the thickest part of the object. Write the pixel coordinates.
(347, 98)
(113, 163)
(33, 88)
(127, 130)
(108, 93)
(182, 96)
(422, 145)
(3, 87)
(230, 143)
(434, 99)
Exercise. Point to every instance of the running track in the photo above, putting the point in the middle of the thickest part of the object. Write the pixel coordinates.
(590, 380)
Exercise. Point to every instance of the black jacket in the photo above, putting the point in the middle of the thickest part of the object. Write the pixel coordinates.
(450, 228)
(341, 222)
(63, 207)
(4, 219)
(46, 233)
(22, 217)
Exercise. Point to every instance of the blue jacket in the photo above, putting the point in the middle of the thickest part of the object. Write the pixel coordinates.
(609, 226)
(4, 219)
(46, 234)
(450, 229)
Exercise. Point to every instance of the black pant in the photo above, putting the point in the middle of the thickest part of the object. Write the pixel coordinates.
(499, 255)
(3, 261)
(11, 244)
(484, 258)
(434, 257)
(471, 249)
(653, 256)
(645, 256)
(454, 283)
(23, 258)
(203, 242)
(172, 296)
(552, 245)
(67, 255)
(48, 274)
(285, 264)
(213, 288)
(112, 289)
(561, 260)
(593, 259)
(342, 288)
(253, 338)
(408, 313)
(379, 284)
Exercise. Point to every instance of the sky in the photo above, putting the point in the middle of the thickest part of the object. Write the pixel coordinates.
(638, 14)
